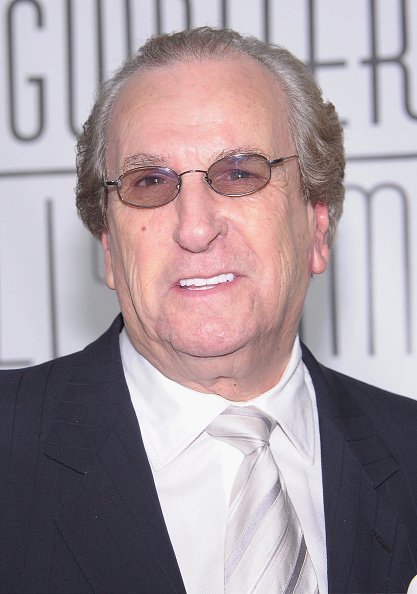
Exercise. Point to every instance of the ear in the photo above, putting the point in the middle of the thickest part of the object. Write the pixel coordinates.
(108, 264)
(321, 252)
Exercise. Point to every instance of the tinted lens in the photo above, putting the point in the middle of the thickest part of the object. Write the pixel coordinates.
(148, 187)
(238, 175)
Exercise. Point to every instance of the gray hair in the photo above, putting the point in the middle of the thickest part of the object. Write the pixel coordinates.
(314, 124)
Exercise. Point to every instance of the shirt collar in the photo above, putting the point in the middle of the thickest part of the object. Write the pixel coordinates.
(172, 416)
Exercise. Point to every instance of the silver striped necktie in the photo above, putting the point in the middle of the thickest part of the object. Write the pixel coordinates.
(265, 551)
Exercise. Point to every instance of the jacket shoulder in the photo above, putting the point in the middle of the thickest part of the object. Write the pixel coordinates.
(339, 396)
(14, 382)
(376, 401)
(54, 373)
(29, 396)
(340, 383)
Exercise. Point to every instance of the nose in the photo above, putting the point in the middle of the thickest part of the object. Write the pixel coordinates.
(200, 217)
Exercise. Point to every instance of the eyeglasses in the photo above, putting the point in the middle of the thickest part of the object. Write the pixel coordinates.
(234, 175)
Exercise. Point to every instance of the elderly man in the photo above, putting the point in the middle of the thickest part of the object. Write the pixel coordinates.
(197, 446)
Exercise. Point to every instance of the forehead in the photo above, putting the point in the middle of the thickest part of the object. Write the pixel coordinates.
(200, 107)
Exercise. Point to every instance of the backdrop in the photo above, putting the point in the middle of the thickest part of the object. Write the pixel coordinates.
(360, 317)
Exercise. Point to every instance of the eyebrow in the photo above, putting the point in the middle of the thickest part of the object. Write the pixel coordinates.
(145, 159)
(238, 150)
(141, 160)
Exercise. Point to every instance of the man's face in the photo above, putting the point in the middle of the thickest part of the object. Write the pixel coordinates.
(185, 117)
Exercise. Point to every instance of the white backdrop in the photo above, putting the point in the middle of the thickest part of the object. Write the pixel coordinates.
(361, 317)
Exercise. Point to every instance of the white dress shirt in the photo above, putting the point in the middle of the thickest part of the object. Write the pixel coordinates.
(194, 472)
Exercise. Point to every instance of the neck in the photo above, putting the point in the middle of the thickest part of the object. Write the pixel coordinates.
(238, 376)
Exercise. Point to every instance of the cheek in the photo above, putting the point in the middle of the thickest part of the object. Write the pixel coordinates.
(290, 243)
(128, 248)
(143, 257)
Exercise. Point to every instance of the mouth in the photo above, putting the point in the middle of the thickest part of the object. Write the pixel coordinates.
(203, 284)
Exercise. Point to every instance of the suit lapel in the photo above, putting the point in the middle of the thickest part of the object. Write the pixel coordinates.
(366, 540)
(111, 519)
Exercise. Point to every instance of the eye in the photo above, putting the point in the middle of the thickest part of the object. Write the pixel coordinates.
(238, 177)
(238, 174)
(150, 180)
(239, 170)
(149, 177)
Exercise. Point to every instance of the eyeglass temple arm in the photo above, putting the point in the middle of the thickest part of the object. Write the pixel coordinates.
(281, 160)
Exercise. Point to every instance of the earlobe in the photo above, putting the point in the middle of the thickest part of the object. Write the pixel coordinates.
(108, 266)
(321, 252)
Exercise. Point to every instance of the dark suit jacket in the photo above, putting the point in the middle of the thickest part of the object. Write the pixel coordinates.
(78, 506)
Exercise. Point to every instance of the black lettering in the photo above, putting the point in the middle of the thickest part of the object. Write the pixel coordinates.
(73, 121)
(369, 196)
(37, 82)
(376, 61)
(100, 41)
(51, 275)
(225, 16)
(128, 29)
(266, 22)
(313, 62)
(159, 15)
(72, 118)
(266, 18)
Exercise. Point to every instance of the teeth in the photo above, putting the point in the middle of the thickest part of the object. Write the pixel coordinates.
(206, 282)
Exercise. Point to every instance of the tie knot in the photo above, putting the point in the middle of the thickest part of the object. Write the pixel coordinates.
(245, 428)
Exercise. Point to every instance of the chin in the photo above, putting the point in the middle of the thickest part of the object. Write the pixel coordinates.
(208, 345)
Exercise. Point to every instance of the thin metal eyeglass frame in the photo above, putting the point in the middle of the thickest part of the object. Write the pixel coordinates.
(271, 162)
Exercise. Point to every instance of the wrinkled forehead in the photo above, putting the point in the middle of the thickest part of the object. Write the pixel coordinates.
(209, 101)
